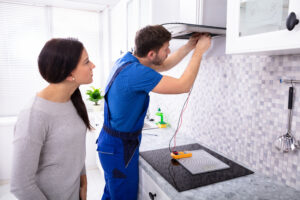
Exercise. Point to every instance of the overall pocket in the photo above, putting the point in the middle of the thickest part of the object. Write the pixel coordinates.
(106, 149)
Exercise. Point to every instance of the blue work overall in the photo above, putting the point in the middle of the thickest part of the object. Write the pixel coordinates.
(119, 153)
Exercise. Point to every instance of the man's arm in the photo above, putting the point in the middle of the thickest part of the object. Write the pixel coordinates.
(170, 85)
(178, 55)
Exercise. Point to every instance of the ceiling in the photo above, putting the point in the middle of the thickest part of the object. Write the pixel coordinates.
(93, 5)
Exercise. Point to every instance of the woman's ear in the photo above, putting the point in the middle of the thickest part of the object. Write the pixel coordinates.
(70, 78)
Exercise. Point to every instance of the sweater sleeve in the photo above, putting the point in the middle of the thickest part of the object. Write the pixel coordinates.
(29, 136)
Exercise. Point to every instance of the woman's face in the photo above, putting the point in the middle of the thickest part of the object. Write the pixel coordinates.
(83, 73)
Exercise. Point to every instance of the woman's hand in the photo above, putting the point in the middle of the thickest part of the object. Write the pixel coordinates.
(83, 187)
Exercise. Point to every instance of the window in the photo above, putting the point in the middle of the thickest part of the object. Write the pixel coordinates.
(24, 31)
(23, 34)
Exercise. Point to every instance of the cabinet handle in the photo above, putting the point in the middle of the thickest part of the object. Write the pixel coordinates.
(152, 196)
(291, 21)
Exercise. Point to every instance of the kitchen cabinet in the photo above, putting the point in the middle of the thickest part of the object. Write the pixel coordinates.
(158, 12)
(191, 11)
(133, 22)
(96, 118)
(204, 12)
(118, 30)
(128, 16)
(148, 189)
(259, 26)
(124, 24)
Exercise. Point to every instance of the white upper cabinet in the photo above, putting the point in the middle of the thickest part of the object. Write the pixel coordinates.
(158, 11)
(203, 12)
(118, 30)
(188, 11)
(133, 22)
(260, 26)
(128, 16)
(124, 22)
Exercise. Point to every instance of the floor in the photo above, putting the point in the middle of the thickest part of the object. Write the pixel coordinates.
(95, 186)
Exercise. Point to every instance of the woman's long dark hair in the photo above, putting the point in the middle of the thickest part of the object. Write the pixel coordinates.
(58, 58)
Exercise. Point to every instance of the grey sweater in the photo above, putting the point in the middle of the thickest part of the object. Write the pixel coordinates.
(49, 152)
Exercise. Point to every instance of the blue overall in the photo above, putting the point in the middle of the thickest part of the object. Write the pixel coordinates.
(119, 153)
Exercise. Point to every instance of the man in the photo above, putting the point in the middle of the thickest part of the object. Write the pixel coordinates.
(127, 99)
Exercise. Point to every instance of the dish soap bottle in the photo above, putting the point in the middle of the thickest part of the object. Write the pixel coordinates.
(161, 123)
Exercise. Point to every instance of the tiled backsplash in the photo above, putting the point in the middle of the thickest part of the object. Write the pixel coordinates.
(239, 107)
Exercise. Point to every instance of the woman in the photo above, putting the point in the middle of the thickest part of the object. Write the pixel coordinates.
(49, 138)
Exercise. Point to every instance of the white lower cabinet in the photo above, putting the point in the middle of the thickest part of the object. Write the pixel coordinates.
(148, 189)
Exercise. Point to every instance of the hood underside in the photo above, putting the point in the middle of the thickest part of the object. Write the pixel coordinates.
(184, 31)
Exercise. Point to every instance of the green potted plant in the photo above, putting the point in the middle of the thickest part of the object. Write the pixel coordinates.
(94, 95)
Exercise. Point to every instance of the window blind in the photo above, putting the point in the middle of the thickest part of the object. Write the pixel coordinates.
(24, 31)
(23, 34)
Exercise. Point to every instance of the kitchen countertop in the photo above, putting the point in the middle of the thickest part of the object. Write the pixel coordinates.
(251, 187)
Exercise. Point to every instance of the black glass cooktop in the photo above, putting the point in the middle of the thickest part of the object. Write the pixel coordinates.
(181, 178)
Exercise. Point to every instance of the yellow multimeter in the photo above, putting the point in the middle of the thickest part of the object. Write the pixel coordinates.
(180, 154)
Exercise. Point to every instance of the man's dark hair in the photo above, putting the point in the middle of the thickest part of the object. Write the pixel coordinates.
(150, 38)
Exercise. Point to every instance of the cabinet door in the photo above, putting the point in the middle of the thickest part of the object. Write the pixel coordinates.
(148, 189)
(188, 11)
(145, 12)
(132, 22)
(118, 31)
(259, 26)
(164, 11)
(204, 12)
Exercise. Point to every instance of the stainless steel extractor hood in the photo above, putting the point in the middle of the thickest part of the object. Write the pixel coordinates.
(184, 30)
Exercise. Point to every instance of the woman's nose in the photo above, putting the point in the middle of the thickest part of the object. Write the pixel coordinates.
(93, 65)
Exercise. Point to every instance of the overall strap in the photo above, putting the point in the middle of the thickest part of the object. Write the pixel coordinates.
(117, 72)
(106, 108)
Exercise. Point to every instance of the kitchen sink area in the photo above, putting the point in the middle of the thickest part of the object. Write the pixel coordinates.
(149, 123)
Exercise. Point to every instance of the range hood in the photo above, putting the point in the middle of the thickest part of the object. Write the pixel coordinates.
(185, 30)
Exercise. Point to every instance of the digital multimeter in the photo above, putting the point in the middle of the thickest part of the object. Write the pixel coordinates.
(180, 154)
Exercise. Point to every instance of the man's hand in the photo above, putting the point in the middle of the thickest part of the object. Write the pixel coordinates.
(83, 187)
(193, 41)
(203, 43)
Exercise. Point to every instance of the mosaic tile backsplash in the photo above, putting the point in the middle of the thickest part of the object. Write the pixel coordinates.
(239, 107)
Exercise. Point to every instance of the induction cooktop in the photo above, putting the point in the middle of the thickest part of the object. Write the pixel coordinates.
(183, 179)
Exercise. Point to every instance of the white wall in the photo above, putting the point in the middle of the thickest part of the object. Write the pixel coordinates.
(6, 138)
